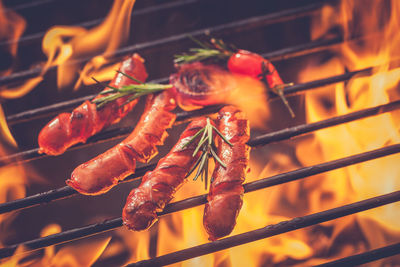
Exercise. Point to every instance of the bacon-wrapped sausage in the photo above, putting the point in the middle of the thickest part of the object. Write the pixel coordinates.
(226, 191)
(68, 129)
(100, 174)
(158, 186)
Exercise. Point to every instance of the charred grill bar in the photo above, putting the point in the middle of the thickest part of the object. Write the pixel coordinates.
(265, 139)
(271, 230)
(362, 258)
(249, 187)
(33, 154)
(228, 27)
(273, 56)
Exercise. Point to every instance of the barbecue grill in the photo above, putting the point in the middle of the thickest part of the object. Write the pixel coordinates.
(247, 28)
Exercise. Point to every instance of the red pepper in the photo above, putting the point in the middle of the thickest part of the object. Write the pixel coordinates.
(239, 62)
(253, 65)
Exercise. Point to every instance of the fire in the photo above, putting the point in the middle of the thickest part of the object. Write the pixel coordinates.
(250, 97)
(313, 245)
(65, 45)
(338, 238)
(12, 26)
(368, 179)
(13, 177)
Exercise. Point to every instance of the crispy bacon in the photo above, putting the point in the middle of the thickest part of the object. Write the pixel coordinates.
(100, 174)
(158, 186)
(68, 129)
(226, 191)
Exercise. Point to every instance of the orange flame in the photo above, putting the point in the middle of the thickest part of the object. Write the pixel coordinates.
(12, 178)
(12, 26)
(372, 178)
(64, 45)
(313, 245)
(338, 238)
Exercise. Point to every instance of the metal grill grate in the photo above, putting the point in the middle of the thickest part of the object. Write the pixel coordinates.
(276, 136)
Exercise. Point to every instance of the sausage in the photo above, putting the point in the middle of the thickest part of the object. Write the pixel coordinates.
(158, 186)
(68, 129)
(225, 197)
(100, 174)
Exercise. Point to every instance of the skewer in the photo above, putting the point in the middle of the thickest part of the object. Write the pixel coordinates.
(235, 26)
(273, 56)
(276, 136)
(32, 154)
(271, 230)
(249, 187)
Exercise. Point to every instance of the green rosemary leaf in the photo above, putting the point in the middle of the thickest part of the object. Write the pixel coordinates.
(194, 167)
(104, 84)
(203, 137)
(100, 102)
(130, 99)
(217, 158)
(206, 173)
(200, 43)
(199, 146)
(193, 138)
(136, 90)
(108, 91)
(201, 166)
(209, 128)
(130, 77)
(222, 136)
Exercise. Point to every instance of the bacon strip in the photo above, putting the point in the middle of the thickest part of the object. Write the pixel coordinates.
(68, 129)
(225, 198)
(158, 186)
(100, 174)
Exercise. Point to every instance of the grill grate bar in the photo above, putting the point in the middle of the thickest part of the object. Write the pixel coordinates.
(111, 224)
(362, 258)
(271, 230)
(281, 54)
(29, 5)
(235, 26)
(95, 22)
(32, 154)
(310, 127)
(287, 133)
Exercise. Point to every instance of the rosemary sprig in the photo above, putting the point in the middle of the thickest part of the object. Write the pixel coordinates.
(215, 48)
(133, 91)
(207, 147)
